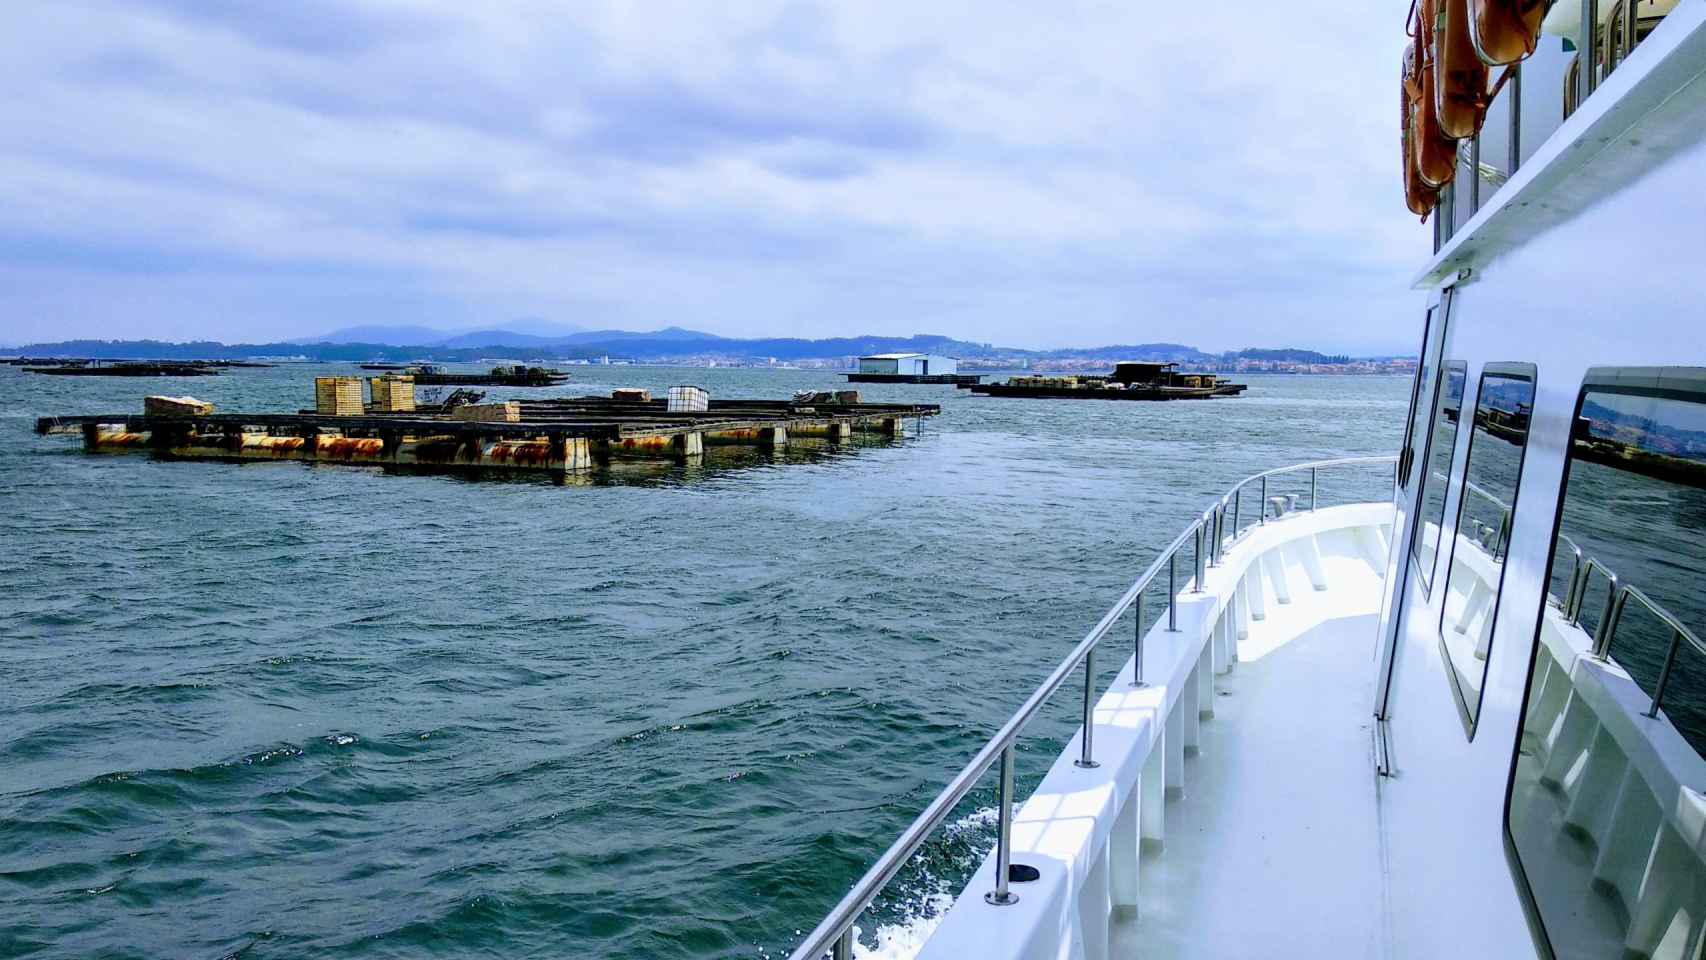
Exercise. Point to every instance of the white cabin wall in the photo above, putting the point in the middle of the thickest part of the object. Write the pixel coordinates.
(1619, 282)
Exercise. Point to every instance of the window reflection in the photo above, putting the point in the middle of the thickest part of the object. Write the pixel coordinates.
(1438, 472)
(1636, 506)
(1606, 803)
(1493, 466)
(1421, 406)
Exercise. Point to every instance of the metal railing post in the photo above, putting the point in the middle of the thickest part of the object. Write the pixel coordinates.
(1513, 155)
(1001, 896)
(1664, 672)
(1173, 592)
(843, 946)
(1216, 518)
(1614, 599)
(1313, 472)
(1137, 654)
(1196, 581)
(1237, 508)
(1631, 26)
(1573, 583)
(1587, 48)
(1085, 759)
(1475, 180)
(1263, 504)
(1578, 593)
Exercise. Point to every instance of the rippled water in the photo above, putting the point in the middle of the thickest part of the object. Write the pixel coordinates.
(280, 710)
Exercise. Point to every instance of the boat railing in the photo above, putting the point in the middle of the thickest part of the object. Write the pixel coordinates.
(1209, 535)
(1566, 602)
(1581, 580)
(1617, 596)
(1680, 634)
(1500, 535)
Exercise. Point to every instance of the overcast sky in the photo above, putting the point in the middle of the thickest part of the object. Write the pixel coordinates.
(1032, 174)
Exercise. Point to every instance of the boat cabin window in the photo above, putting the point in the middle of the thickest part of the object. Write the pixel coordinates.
(1437, 473)
(1475, 574)
(1607, 793)
(1422, 392)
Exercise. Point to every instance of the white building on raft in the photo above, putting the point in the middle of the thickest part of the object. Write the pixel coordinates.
(909, 364)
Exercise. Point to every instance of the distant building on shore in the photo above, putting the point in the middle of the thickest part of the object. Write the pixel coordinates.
(909, 364)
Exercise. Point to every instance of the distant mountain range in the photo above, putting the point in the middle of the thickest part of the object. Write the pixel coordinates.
(541, 339)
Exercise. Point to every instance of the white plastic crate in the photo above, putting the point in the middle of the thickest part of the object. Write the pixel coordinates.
(689, 399)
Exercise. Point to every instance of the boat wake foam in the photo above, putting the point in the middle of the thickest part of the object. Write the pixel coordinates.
(966, 842)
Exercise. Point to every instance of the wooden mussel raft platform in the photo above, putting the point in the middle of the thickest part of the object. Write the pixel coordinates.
(559, 436)
(502, 376)
(127, 368)
(1129, 381)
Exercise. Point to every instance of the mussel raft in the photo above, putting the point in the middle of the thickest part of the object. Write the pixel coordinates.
(1129, 381)
(564, 435)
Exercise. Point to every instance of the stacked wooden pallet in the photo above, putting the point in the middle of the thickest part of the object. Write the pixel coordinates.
(338, 396)
(1055, 383)
(393, 394)
(506, 412)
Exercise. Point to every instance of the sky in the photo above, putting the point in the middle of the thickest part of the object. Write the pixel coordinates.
(1033, 175)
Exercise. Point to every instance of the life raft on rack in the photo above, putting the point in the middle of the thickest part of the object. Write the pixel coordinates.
(1435, 154)
(1505, 31)
(1460, 78)
(1445, 88)
(1419, 196)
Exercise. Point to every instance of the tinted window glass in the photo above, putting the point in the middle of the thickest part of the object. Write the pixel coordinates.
(1606, 802)
(1493, 466)
(1635, 506)
(1437, 474)
(1421, 402)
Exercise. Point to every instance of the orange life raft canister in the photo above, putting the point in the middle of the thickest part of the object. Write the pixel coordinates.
(1460, 77)
(1435, 154)
(1418, 196)
(1505, 31)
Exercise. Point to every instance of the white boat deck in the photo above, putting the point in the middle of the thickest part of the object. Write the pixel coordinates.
(1250, 778)
(1273, 848)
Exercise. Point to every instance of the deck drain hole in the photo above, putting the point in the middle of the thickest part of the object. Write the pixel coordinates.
(1022, 873)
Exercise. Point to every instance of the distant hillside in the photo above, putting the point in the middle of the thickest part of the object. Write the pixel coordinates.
(671, 344)
(525, 331)
(395, 335)
(1286, 355)
(1134, 351)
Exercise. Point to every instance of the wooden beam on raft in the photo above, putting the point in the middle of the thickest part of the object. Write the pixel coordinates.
(829, 430)
(559, 436)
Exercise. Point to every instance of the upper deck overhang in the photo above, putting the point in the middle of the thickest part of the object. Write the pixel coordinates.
(1647, 111)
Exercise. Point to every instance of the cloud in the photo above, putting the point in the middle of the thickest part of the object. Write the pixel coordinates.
(1071, 174)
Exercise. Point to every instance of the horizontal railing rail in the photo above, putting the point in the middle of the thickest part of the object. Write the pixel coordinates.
(1679, 634)
(1617, 596)
(1208, 533)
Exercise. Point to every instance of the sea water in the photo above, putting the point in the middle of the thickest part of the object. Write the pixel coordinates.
(659, 711)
